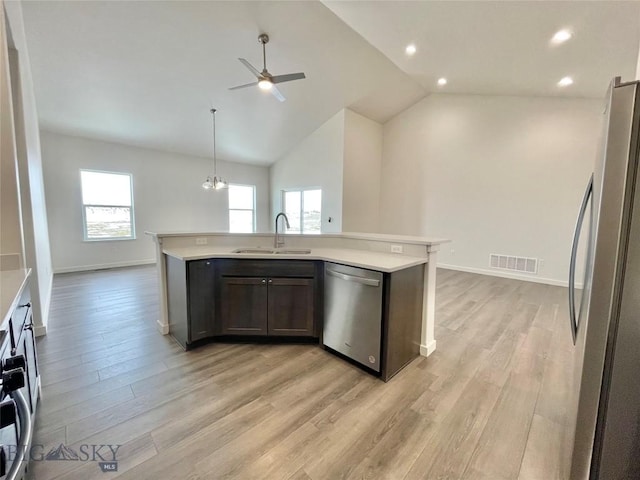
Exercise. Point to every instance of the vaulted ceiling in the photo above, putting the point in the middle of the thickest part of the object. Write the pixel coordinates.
(147, 73)
(503, 47)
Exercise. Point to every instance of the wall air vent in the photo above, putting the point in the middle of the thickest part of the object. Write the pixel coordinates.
(518, 264)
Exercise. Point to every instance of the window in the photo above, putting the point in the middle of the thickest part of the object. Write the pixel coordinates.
(303, 208)
(242, 208)
(107, 205)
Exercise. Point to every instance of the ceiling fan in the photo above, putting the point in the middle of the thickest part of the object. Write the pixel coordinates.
(266, 81)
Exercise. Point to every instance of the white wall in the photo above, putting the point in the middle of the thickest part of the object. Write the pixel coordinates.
(494, 174)
(32, 197)
(316, 162)
(637, 67)
(361, 173)
(167, 197)
(10, 229)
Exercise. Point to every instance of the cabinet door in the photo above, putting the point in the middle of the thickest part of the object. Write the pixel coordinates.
(201, 299)
(291, 306)
(244, 306)
(26, 348)
(32, 361)
(19, 316)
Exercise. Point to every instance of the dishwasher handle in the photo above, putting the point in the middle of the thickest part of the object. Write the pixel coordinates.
(352, 278)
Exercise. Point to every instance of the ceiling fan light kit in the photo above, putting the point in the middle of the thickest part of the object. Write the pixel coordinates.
(215, 182)
(266, 81)
(265, 84)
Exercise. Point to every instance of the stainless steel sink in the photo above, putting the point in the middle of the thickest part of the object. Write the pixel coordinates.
(293, 251)
(255, 250)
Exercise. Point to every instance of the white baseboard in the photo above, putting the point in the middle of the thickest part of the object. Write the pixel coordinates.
(426, 350)
(39, 330)
(104, 266)
(164, 329)
(502, 274)
(46, 305)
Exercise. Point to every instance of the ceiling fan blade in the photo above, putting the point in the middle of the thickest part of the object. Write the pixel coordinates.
(276, 93)
(287, 78)
(252, 84)
(251, 67)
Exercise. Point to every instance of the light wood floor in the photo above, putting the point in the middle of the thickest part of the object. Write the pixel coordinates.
(490, 403)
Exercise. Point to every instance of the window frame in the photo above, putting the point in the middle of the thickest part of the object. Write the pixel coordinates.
(252, 210)
(284, 207)
(84, 206)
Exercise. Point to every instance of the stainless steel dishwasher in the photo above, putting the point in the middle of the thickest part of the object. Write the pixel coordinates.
(353, 313)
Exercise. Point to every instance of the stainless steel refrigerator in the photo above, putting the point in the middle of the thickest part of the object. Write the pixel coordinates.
(605, 301)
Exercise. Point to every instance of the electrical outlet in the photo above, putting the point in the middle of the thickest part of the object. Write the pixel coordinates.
(396, 248)
(201, 241)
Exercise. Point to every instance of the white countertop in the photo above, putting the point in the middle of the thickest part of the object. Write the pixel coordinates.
(382, 237)
(382, 262)
(12, 283)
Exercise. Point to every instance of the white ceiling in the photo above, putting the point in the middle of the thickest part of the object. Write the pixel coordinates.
(147, 73)
(503, 47)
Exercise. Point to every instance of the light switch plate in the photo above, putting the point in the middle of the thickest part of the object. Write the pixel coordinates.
(201, 241)
(396, 248)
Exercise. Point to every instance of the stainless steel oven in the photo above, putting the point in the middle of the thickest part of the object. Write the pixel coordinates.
(16, 420)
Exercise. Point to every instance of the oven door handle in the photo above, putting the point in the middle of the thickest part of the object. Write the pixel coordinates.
(26, 434)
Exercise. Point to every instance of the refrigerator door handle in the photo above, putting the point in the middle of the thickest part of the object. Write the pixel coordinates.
(573, 318)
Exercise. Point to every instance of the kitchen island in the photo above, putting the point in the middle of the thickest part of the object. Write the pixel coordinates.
(295, 268)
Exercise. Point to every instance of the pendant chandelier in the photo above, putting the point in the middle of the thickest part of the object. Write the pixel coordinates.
(215, 182)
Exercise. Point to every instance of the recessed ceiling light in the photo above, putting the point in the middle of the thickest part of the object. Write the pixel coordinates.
(561, 36)
(442, 81)
(411, 49)
(565, 82)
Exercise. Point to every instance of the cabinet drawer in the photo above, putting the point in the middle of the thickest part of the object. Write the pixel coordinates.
(267, 268)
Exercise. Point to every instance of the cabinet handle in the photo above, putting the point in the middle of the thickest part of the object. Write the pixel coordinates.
(270, 281)
(264, 281)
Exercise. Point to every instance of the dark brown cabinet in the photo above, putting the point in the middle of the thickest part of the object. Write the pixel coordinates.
(201, 293)
(244, 303)
(401, 319)
(268, 297)
(190, 299)
(267, 306)
(290, 306)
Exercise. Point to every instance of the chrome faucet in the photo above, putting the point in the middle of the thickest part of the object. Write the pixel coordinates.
(278, 240)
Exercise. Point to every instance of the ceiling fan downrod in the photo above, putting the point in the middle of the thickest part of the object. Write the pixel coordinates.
(263, 38)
